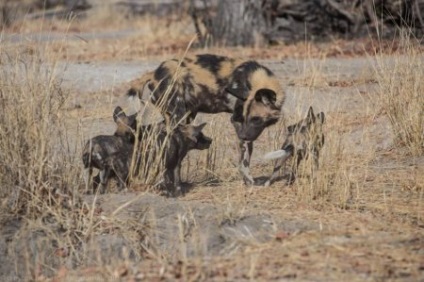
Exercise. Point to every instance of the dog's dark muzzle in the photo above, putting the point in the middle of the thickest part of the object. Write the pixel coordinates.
(204, 143)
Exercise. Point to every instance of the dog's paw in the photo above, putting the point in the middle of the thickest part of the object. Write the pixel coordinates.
(248, 182)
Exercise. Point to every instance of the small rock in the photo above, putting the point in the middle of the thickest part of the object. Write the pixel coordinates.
(281, 235)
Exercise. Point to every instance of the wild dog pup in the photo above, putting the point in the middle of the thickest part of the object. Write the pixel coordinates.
(110, 154)
(174, 145)
(183, 139)
(304, 138)
(214, 84)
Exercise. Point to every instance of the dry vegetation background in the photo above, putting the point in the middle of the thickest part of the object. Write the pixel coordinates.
(360, 218)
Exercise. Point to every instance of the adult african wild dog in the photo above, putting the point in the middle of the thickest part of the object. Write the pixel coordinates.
(304, 138)
(214, 84)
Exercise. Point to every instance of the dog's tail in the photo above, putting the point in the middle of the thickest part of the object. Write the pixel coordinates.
(137, 86)
(277, 155)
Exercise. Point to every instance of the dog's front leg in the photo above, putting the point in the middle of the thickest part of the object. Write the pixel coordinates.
(246, 148)
(177, 179)
(169, 182)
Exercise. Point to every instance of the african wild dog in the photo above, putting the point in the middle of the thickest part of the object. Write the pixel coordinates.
(214, 84)
(304, 138)
(172, 145)
(183, 139)
(110, 153)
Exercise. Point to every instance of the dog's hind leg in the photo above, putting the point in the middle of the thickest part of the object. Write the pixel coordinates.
(278, 164)
(104, 179)
(295, 167)
(88, 172)
(315, 166)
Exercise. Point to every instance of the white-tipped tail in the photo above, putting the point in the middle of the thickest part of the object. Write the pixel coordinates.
(276, 155)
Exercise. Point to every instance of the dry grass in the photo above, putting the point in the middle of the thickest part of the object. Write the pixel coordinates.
(31, 101)
(401, 94)
(105, 34)
(359, 218)
(40, 176)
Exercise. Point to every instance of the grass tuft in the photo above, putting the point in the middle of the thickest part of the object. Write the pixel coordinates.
(401, 82)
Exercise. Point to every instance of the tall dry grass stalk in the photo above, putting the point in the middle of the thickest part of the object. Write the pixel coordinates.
(41, 176)
(147, 159)
(31, 157)
(147, 162)
(333, 181)
(220, 160)
(401, 82)
(37, 176)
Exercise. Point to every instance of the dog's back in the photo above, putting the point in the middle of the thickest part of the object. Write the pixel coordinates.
(100, 147)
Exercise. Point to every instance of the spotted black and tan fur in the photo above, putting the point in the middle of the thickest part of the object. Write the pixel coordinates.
(304, 139)
(110, 153)
(214, 84)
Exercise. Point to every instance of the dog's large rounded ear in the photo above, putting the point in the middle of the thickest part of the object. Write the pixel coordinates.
(238, 89)
(321, 117)
(266, 96)
(189, 132)
(118, 113)
(123, 123)
(310, 117)
(132, 121)
(291, 128)
(132, 92)
(199, 128)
